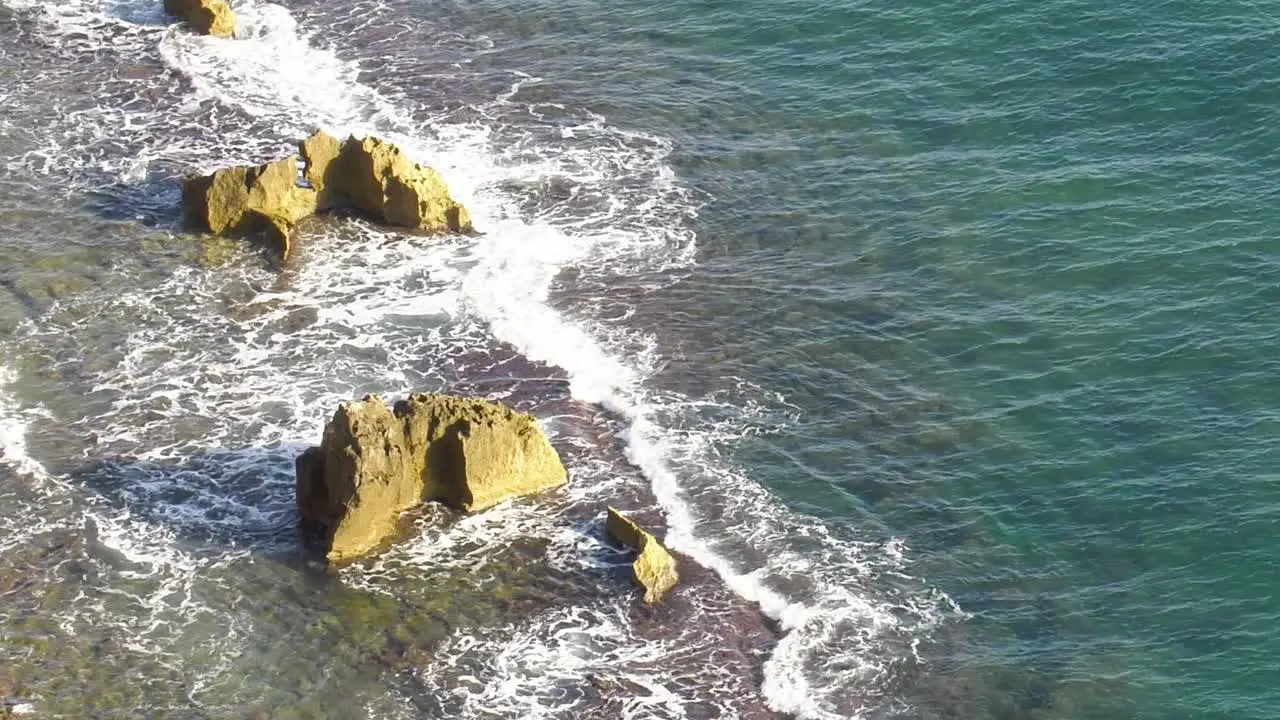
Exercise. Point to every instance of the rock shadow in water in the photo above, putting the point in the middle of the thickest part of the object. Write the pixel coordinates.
(212, 500)
(154, 202)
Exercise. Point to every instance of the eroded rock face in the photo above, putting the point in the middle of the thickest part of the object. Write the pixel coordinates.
(319, 153)
(376, 462)
(265, 199)
(654, 570)
(378, 179)
(207, 17)
(368, 175)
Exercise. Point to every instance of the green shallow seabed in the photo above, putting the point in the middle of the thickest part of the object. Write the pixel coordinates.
(1014, 263)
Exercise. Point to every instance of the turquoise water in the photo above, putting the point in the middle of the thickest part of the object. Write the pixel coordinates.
(977, 292)
(1012, 261)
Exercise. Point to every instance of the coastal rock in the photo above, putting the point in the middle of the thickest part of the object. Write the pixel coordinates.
(368, 175)
(654, 570)
(377, 178)
(207, 17)
(319, 153)
(375, 462)
(265, 199)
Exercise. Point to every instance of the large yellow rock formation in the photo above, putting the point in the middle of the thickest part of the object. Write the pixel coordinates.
(376, 462)
(367, 175)
(207, 17)
(654, 570)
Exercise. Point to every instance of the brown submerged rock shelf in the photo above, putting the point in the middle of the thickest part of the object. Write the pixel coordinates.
(376, 462)
(363, 174)
(206, 17)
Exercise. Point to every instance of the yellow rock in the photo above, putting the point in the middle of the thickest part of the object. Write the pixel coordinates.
(207, 17)
(368, 175)
(264, 200)
(319, 153)
(376, 462)
(378, 179)
(478, 453)
(654, 570)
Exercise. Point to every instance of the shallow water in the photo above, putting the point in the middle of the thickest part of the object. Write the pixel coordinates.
(931, 337)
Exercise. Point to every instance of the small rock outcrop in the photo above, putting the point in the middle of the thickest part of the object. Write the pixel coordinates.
(376, 178)
(368, 175)
(375, 462)
(207, 17)
(654, 570)
(265, 200)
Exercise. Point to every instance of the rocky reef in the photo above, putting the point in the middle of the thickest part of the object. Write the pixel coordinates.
(264, 200)
(206, 17)
(367, 175)
(375, 462)
(654, 570)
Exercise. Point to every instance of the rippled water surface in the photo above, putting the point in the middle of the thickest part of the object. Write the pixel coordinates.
(932, 335)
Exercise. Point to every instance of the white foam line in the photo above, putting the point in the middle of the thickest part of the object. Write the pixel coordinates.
(21, 525)
(521, 670)
(596, 376)
(270, 69)
(13, 432)
(509, 289)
